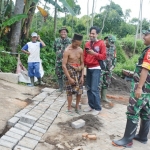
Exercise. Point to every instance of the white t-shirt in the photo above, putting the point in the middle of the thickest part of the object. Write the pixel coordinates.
(34, 49)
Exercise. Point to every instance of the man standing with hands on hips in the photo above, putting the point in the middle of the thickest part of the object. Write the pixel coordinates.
(94, 53)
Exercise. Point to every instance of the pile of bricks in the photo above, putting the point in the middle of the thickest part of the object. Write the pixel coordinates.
(29, 125)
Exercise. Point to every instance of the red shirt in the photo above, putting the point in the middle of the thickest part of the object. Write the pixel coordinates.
(146, 61)
(93, 60)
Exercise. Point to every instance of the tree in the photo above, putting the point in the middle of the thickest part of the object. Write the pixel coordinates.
(16, 29)
(127, 14)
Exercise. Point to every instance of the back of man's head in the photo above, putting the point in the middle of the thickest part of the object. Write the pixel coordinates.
(95, 28)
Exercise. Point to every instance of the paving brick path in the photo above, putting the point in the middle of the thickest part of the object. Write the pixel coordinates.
(39, 120)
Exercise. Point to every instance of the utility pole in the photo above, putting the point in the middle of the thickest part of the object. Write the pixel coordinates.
(87, 18)
(55, 19)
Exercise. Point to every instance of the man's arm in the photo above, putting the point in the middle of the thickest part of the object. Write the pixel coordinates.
(25, 49)
(43, 44)
(101, 55)
(64, 63)
(143, 77)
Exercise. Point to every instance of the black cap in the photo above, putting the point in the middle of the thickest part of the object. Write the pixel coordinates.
(63, 28)
(77, 37)
(146, 31)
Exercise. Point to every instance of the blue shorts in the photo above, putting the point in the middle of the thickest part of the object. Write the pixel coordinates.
(34, 69)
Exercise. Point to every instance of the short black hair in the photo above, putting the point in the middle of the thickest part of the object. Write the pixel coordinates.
(105, 38)
(95, 28)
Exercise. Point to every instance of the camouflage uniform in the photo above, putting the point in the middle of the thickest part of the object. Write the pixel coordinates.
(139, 106)
(109, 62)
(59, 47)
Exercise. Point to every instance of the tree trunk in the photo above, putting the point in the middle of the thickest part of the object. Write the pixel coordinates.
(55, 19)
(93, 12)
(16, 29)
(141, 6)
(87, 34)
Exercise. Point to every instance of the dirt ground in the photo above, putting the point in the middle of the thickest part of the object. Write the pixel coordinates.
(13, 97)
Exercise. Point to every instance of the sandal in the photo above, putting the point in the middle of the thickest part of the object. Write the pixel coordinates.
(69, 112)
(78, 111)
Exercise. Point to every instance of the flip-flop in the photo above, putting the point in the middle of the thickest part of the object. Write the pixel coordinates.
(69, 112)
(78, 111)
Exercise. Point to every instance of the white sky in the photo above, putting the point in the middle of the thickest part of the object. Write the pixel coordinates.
(134, 5)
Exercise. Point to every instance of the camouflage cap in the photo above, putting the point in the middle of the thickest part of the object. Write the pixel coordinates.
(63, 28)
(146, 31)
(111, 39)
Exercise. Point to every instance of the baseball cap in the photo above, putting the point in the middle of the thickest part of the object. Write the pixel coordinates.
(146, 31)
(34, 34)
(111, 39)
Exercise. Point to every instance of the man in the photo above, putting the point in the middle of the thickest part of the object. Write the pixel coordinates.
(33, 50)
(60, 45)
(95, 51)
(109, 65)
(139, 101)
(74, 74)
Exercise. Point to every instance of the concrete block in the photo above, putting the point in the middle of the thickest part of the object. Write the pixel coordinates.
(28, 143)
(46, 120)
(9, 139)
(28, 119)
(26, 124)
(6, 144)
(10, 77)
(14, 135)
(32, 136)
(17, 131)
(48, 90)
(25, 110)
(78, 124)
(74, 105)
(11, 122)
(22, 127)
(39, 129)
(40, 97)
(43, 122)
(19, 114)
(4, 148)
(41, 126)
(48, 117)
(50, 98)
(34, 132)
(21, 148)
(34, 114)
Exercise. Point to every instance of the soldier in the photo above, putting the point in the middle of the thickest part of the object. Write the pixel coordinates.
(139, 102)
(109, 65)
(60, 45)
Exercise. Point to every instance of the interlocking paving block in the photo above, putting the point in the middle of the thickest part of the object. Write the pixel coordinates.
(4, 148)
(6, 144)
(41, 126)
(10, 139)
(44, 122)
(12, 134)
(22, 127)
(28, 143)
(78, 124)
(39, 129)
(11, 122)
(21, 148)
(34, 132)
(49, 90)
(32, 136)
(17, 131)
(26, 124)
(50, 120)
(28, 119)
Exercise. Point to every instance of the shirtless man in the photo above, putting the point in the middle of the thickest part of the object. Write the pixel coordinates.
(74, 74)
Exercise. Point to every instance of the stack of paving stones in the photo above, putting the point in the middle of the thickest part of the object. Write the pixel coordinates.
(29, 125)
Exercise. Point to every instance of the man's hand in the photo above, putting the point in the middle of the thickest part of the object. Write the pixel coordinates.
(28, 53)
(138, 92)
(72, 81)
(82, 80)
(38, 38)
(91, 52)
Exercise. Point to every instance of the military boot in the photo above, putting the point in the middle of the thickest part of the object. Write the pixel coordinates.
(129, 134)
(60, 83)
(143, 132)
(32, 82)
(103, 95)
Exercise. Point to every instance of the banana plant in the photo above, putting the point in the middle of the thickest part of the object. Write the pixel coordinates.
(11, 21)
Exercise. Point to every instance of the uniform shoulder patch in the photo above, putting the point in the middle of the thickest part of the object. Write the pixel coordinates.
(148, 56)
